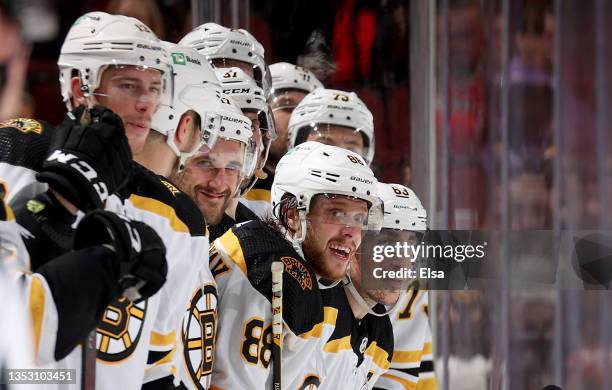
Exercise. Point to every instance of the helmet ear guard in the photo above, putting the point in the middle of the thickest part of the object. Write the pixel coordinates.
(194, 86)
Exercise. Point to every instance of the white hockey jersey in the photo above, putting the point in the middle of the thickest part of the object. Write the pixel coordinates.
(259, 198)
(240, 262)
(354, 353)
(412, 365)
(135, 342)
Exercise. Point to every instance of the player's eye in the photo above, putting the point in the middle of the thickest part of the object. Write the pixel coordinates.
(337, 215)
(155, 90)
(127, 86)
(206, 163)
(359, 219)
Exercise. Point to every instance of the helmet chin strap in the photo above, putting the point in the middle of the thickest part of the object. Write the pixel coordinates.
(348, 283)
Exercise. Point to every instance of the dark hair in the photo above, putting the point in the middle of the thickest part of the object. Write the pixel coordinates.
(279, 221)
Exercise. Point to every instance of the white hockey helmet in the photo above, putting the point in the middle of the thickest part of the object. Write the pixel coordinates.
(195, 88)
(219, 42)
(250, 98)
(97, 40)
(332, 107)
(289, 76)
(314, 168)
(403, 209)
(223, 119)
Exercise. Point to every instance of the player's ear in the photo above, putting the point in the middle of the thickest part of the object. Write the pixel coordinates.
(292, 220)
(182, 132)
(77, 95)
(187, 132)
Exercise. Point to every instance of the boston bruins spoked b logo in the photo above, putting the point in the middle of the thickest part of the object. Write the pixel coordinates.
(198, 335)
(120, 329)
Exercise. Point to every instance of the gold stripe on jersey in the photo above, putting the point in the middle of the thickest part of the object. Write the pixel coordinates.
(166, 359)
(427, 384)
(37, 310)
(9, 213)
(160, 340)
(412, 356)
(408, 385)
(337, 345)
(407, 356)
(379, 356)
(231, 246)
(161, 209)
(329, 317)
(258, 194)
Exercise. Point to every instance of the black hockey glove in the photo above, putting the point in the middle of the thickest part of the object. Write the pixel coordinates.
(89, 157)
(141, 254)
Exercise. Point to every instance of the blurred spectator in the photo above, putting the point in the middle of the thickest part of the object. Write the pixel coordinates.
(532, 62)
(467, 106)
(147, 11)
(14, 55)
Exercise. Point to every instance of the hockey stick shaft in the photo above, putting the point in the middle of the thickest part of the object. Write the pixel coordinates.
(277, 323)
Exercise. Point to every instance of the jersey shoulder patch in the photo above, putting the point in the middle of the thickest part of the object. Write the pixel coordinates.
(24, 142)
(258, 245)
(156, 193)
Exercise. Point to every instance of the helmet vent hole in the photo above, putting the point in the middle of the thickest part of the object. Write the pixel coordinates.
(222, 128)
(238, 132)
(326, 154)
(249, 54)
(249, 101)
(157, 61)
(171, 116)
(331, 115)
(348, 118)
(233, 50)
(354, 189)
(368, 192)
(141, 58)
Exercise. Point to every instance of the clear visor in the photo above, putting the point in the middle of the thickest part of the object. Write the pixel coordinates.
(286, 100)
(264, 133)
(345, 137)
(232, 158)
(346, 210)
(135, 83)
